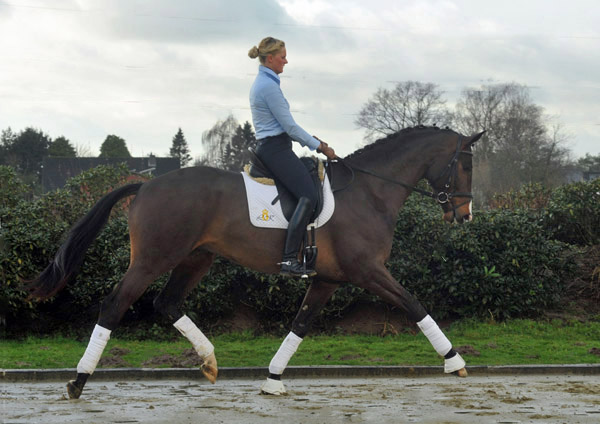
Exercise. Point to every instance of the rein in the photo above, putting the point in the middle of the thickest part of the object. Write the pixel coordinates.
(441, 197)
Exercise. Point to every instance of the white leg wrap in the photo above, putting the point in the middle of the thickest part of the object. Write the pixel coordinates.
(454, 364)
(201, 344)
(438, 340)
(88, 362)
(284, 354)
(273, 387)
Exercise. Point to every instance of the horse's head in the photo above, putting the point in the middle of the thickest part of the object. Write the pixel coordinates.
(450, 176)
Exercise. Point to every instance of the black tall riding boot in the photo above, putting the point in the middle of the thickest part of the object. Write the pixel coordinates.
(290, 266)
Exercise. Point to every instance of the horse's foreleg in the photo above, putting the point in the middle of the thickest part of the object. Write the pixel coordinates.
(387, 288)
(319, 292)
(183, 279)
(453, 362)
(131, 287)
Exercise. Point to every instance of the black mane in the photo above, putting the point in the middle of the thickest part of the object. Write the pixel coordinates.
(398, 136)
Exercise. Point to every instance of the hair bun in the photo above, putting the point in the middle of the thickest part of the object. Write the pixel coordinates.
(253, 52)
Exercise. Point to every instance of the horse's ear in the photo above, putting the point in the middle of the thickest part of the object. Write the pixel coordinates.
(474, 139)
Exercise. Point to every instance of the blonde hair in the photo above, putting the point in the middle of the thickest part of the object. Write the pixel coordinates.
(267, 46)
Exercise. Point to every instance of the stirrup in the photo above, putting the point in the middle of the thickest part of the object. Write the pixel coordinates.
(288, 269)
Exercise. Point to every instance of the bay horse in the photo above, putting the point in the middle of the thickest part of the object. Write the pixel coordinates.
(180, 221)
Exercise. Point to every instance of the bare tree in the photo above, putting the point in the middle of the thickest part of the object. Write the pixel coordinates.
(555, 155)
(216, 140)
(519, 146)
(226, 145)
(83, 150)
(482, 108)
(408, 104)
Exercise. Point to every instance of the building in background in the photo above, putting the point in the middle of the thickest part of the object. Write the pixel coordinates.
(56, 171)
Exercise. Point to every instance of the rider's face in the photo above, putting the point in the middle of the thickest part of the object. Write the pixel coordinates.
(277, 61)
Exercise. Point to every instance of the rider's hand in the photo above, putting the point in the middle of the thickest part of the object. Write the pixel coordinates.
(326, 150)
(330, 153)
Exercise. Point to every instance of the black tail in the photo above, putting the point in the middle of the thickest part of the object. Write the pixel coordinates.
(70, 255)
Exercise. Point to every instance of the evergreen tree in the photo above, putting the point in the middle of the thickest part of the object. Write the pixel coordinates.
(7, 138)
(61, 148)
(26, 150)
(114, 147)
(589, 163)
(236, 153)
(179, 149)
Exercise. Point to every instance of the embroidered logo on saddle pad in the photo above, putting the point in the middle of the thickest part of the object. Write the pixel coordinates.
(265, 213)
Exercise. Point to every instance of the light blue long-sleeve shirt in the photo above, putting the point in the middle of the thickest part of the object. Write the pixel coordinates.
(271, 111)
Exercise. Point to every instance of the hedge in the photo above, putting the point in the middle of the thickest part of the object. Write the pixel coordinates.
(501, 265)
(506, 263)
(571, 213)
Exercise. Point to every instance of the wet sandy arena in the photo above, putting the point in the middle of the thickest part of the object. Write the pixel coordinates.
(496, 399)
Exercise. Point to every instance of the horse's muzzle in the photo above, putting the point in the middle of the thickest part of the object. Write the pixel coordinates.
(452, 217)
(467, 218)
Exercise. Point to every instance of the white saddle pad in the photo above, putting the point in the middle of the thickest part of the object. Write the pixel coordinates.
(266, 215)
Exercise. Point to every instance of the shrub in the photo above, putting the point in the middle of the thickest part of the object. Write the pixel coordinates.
(505, 263)
(501, 264)
(32, 231)
(570, 213)
(12, 189)
(533, 197)
(573, 213)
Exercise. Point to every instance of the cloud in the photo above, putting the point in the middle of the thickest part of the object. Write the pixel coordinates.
(183, 21)
(5, 12)
(141, 69)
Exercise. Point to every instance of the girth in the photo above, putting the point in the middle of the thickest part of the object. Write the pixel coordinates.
(288, 201)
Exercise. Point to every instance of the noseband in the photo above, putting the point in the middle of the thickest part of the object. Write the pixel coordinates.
(443, 197)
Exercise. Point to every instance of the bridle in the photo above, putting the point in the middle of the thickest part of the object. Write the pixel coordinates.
(443, 197)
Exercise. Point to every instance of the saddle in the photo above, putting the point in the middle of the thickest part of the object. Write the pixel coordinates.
(259, 171)
(288, 201)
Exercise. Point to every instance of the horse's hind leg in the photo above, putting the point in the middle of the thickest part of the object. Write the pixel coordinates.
(381, 283)
(183, 279)
(319, 292)
(135, 281)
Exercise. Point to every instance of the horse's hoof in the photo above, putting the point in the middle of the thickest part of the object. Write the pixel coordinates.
(209, 368)
(210, 373)
(73, 391)
(462, 372)
(273, 387)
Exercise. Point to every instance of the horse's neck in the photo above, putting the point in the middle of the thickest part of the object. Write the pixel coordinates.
(406, 164)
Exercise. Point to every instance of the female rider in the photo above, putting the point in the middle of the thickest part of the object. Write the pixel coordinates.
(275, 129)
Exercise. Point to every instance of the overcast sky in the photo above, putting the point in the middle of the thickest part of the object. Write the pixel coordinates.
(141, 69)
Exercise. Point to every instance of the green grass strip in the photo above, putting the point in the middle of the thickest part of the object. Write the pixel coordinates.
(510, 343)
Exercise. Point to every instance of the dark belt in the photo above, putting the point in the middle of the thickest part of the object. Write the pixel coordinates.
(282, 137)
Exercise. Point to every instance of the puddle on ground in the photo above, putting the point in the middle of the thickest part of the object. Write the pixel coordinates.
(507, 399)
